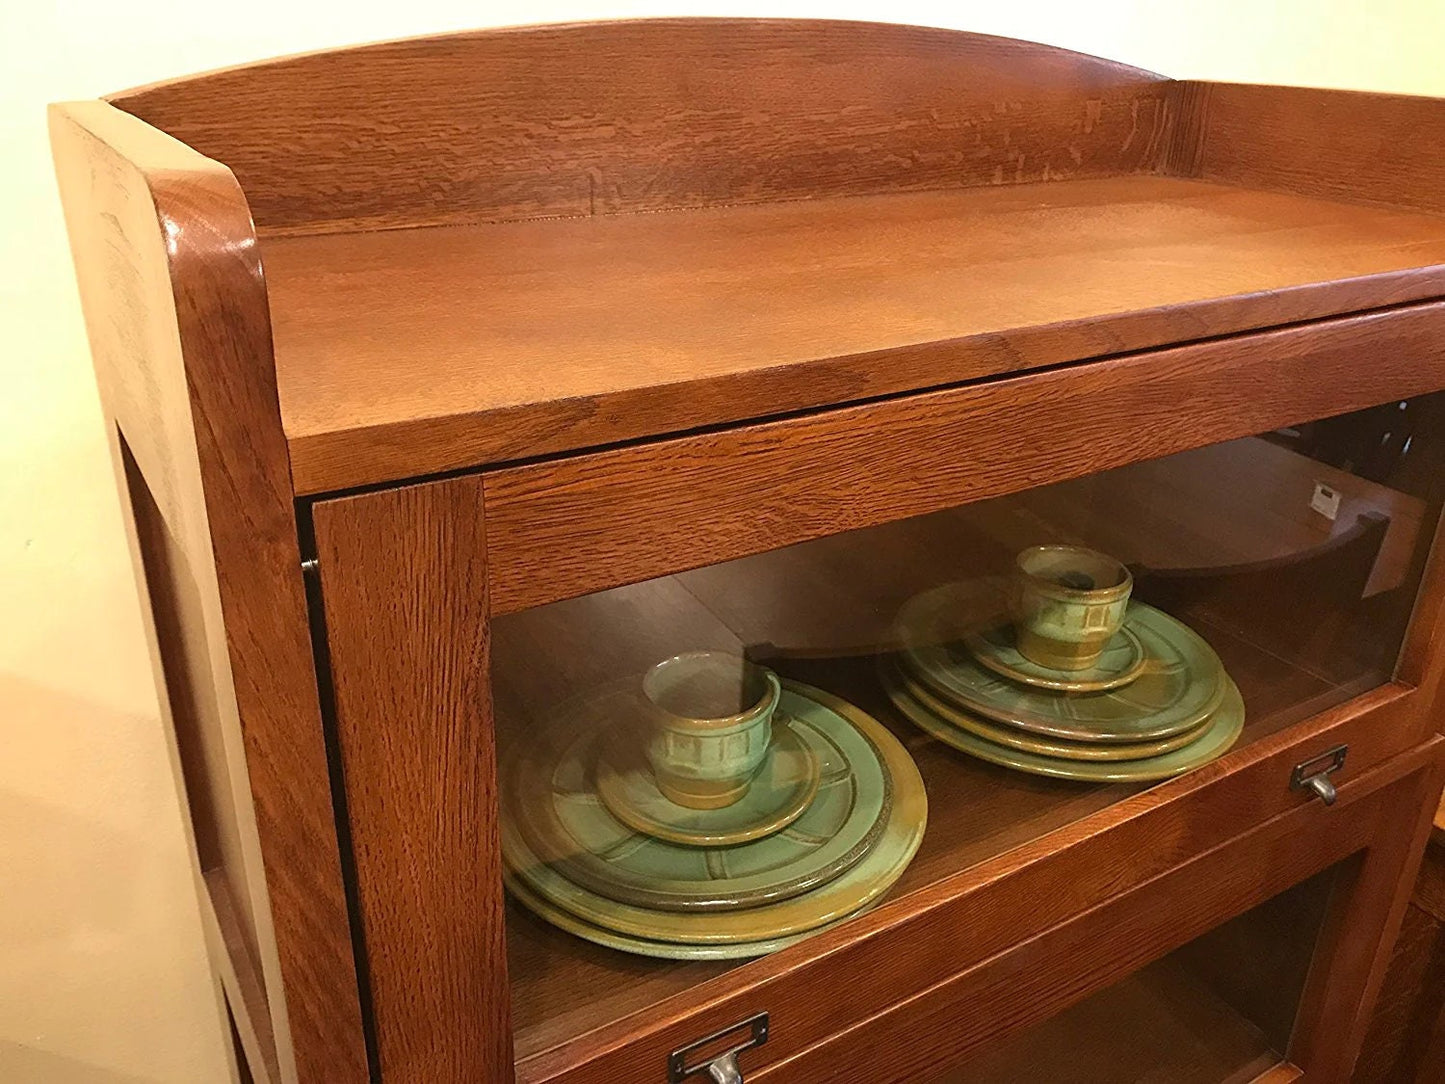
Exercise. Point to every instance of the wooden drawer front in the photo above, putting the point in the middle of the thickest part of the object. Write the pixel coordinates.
(563, 528)
(934, 937)
(1060, 967)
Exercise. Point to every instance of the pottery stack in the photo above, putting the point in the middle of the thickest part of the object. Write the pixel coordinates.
(1059, 672)
(707, 811)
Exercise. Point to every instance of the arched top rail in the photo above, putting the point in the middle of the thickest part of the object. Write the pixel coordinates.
(652, 115)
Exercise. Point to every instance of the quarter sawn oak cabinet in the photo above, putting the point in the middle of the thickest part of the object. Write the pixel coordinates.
(702, 550)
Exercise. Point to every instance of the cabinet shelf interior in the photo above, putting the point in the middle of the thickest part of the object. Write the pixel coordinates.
(821, 612)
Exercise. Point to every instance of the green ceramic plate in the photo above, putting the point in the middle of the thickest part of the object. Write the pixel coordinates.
(1221, 732)
(844, 895)
(563, 821)
(1180, 685)
(1122, 660)
(783, 788)
(1000, 734)
(640, 946)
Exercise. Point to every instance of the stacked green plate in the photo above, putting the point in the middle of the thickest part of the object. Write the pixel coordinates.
(831, 820)
(1157, 703)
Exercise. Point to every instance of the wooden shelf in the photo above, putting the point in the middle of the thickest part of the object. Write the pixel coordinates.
(401, 352)
(817, 612)
(563, 987)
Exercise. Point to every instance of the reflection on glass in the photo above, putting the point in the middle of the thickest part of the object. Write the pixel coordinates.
(713, 765)
(1220, 1008)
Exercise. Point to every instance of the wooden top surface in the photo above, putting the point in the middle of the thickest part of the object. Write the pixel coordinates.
(406, 352)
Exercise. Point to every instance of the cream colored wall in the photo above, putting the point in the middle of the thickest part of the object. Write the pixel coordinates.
(102, 974)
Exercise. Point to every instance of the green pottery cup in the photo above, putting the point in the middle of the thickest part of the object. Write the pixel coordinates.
(711, 722)
(1067, 604)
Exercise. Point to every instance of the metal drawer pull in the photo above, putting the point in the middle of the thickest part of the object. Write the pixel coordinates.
(1314, 774)
(726, 1070)
(722, 1067)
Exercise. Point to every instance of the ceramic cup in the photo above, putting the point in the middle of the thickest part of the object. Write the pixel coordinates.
(1067, 603)
(711, 715)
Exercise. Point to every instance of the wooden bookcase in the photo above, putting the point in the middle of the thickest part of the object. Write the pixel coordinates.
(425, 361)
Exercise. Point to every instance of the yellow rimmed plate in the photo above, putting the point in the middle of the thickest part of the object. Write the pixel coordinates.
(1181, 684)
(550, 794)
(641, 946)
(845, 895)
(1215, 739)
(1000, 734)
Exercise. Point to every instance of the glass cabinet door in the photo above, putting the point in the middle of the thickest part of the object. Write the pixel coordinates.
(708, 767)
(1217, 1010)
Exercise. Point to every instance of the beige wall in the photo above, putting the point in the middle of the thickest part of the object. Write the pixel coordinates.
(102, 975)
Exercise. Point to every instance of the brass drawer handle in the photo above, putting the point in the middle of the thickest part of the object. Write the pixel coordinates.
(1314, 774)
(721, 1067)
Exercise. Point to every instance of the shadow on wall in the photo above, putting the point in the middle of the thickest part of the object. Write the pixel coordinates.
(99, 924)
(26, 1065)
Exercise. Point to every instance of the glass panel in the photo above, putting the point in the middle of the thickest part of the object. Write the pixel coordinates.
(1217, 1010)
(650, 849)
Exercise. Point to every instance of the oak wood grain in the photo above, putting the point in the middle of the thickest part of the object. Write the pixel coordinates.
(1339, 144)
(241, 981)
(1286, 1073)
(1430, 885)
(562, 528)
(403, 580)
(1433, 1055)
(1360, 932)
(1187, 107)
(1044, 974)
(1406, 1037)
(175, 309)
(1411, 998)
(642, 116)
(405, 352)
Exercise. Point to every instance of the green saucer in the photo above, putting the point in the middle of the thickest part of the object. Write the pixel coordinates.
(1215, 738)
(844, 895)
(1122, 660)
(781, 791)
(1180, 685)
(555, 806)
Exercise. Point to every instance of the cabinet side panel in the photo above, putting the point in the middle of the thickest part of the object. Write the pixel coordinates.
(175, 311)
(209, 762)
(1340, 144)
(403, 581)
(1411, 998)
(655, 114)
